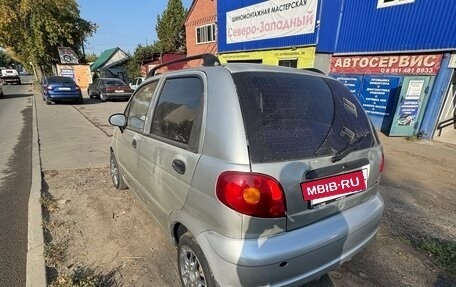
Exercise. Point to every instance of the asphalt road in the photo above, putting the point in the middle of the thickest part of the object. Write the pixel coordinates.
(15, 181)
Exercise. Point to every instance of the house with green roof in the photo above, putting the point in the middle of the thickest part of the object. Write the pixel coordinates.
(110, 64)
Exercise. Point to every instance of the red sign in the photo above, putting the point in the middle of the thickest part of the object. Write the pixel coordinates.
(428, 64)
(334, 186)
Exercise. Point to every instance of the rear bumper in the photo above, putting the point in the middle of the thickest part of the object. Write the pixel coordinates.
(296, 257)
(64, 97)
(11, 79)
(118, 95)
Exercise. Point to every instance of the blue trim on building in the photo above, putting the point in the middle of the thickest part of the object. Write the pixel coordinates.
(431, 115)
(421, 25)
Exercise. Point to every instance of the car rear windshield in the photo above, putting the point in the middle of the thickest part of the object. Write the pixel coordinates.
(291, 116)
(115, 83)
(61, 80)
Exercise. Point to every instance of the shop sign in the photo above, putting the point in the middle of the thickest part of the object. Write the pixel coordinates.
(271, 19)
(410, 104)
(304, 56)
(352, 82)
(67, 73)
(67, 55)
(376, 94)
(428, 64)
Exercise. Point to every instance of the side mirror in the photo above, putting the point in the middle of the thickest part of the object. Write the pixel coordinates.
(118, 120)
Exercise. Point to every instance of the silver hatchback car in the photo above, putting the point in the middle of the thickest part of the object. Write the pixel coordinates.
(261, 175)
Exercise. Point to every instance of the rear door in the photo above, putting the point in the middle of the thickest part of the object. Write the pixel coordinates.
(129, 142)
(301, 129)
(169, 153)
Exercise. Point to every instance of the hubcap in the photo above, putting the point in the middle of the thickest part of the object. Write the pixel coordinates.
(191, 270)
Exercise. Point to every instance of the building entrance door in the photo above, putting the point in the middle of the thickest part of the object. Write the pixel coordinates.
(411, 105)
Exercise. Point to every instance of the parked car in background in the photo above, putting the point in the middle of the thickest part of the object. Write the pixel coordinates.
(109, 88)
(261, 175)
(1, 89)
(136, 82)
(10, 76)
(60, 89)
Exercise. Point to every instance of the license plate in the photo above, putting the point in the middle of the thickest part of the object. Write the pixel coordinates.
(325, 189)
(119, 91)
(64, 89)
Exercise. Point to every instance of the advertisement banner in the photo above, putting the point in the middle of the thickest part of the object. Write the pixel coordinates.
(67, 56)
(376, 94)
(428, 64)
(410, 105)
(271, 19)
(352, 82)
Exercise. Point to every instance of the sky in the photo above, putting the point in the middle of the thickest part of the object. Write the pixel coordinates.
(123, 24)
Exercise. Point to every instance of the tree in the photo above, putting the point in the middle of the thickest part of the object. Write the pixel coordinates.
(32, 30)
(91, 57)
(171, 29)
(6, 61)
(141, 54)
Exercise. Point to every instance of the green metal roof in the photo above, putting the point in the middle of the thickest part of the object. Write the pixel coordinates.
(104, 57)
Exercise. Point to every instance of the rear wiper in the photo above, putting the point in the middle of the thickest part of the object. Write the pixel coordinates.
(351, 146)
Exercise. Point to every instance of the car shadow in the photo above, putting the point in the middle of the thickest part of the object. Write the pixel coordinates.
(94, 101)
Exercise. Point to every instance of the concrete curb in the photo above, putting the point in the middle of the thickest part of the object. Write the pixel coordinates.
(36, 271)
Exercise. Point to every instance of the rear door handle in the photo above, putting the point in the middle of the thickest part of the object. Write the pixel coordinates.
(179, 166)
(133, 143)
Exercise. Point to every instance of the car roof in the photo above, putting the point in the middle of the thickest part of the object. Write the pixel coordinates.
(248, 67)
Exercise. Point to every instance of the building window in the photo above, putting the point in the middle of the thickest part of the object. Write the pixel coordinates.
(389, 3)
(293, 63)
(205, 34)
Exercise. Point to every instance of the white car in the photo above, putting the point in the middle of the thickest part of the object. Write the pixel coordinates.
(136, 82)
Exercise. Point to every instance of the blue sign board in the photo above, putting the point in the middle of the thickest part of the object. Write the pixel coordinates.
(378, 97)
(376, 94)
(352, 82)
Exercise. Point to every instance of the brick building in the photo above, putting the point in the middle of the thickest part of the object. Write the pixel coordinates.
(201, 28)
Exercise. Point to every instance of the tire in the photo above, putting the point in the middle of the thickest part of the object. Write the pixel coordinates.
(102, 97)
(80, 101)
(48, 102)
(192, 264)
(116, 176)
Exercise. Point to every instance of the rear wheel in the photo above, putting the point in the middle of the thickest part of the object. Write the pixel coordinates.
(193, 267)
(48, 102)
(116, 176)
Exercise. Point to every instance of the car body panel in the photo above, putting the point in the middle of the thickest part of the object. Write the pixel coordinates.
(245, 250)
(136, 82)
(10, 76)
(101, 86)
(58, 88)
(293, 258)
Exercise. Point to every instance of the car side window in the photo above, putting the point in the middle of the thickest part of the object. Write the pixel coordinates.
(178, 113)
(137, 110)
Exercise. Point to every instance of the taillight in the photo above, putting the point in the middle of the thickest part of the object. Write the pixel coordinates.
(251, 194)
(382, 164)
(78, 88)
(49, 87)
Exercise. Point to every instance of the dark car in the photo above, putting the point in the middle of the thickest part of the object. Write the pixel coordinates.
(109, 88)
(60, 89)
